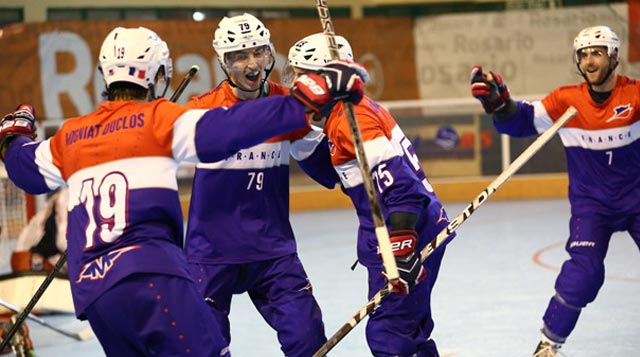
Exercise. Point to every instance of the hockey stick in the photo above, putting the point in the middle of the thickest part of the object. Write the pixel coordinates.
(82, 335)
(34, 300)
(63, 258)
(525, 156)
(185, 81)
(382, 233)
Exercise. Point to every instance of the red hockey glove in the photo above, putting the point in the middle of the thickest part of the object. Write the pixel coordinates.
(311, 89)
(19, 123)
(339, 80)
(410, 268)
(489, 89)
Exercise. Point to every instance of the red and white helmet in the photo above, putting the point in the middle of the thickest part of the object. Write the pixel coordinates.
(597, 36)
(312, 52)
(239, 33)
(134, 55)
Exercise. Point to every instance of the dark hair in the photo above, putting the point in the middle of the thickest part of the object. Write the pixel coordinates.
(125, 91)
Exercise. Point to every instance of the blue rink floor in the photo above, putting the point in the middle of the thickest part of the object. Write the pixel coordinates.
(496, 279)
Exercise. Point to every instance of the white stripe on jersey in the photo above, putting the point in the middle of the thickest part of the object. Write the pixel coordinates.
(304, 147)
(397, 137)
(44, 160)
(139, 172)
(349, 173)
(600, 139)
(184, 136)
(376, 150)
(261, 156)
(541, 119)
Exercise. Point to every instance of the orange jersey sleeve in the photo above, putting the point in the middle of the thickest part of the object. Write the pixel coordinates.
(373, 121)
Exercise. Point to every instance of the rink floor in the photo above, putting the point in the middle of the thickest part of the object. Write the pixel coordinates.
(496, 279)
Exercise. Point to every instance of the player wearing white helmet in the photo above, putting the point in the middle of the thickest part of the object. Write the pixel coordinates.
(312, 52)
(239, 237)
(402, 324)
(244, 49)
(125, 226)
(602, 162)
(597, 38)
(135, 56)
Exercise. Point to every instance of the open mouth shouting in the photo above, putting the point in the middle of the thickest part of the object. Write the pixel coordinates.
(253, 76)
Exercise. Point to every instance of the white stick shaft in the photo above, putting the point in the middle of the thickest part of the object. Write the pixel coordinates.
(382, 234)
(525, 156)
(522, 159)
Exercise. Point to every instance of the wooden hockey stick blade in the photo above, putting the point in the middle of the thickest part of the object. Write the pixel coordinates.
(185, 81)
(453, 225)
(82, 335)
(381, 231)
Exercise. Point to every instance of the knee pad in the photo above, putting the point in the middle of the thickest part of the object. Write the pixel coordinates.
(580, 280)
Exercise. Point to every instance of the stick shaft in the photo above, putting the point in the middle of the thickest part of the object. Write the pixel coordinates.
(45, 284)
(40, 321)
(185, 81)
(382, 234)
(522, 159)
(453, 225)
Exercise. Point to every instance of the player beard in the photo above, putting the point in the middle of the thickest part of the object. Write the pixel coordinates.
(598, 76)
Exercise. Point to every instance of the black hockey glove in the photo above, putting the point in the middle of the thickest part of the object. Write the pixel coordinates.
(346, 80)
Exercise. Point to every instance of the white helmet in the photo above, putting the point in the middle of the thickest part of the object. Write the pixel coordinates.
(134, 55)
(597, 36)
(238, 33)
(312, 52)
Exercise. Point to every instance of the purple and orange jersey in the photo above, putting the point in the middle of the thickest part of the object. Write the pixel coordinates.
(239, 209)
(400, 181)
(601, 143)
(120, 164)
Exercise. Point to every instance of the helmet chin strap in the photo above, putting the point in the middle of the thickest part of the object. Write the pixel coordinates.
(261, 89)
(152, 89)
